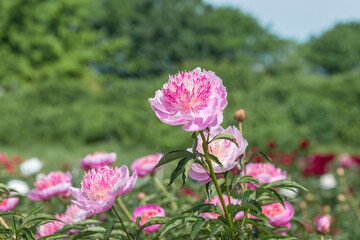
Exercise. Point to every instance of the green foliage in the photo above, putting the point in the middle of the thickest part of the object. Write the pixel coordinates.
(337, 50)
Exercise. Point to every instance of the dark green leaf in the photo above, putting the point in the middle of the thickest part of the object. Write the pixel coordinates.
(248, 179)
(284, 184)
(204, 207)
(215, 159)
(153, 221)
(248, 194)
(171, 156)
(177, 221)
(180, 168)
(196, 227)
(109, 228)
(186, 171)
(227, 136)
(267, 158)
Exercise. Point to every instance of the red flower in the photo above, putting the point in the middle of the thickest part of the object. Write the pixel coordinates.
(304, 143)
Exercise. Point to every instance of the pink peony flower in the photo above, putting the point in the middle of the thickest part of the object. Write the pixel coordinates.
(226, 151)
(54, 184)
(264, 172)
(50, 227)
(144, 166)
(97, 160)
(193, 99)
(100, 188)
(322, 223)
(74, 214)
(278, 215)
(8, 204)
(146, 212)
(216, 201)
(346, 161)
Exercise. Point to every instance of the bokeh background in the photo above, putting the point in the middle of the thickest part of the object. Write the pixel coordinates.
(75, 76)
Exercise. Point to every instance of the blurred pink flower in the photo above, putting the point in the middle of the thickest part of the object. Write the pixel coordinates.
(346, 161)
(74, 214)
(278, 215)
(8, 204)
(264, 172)
(216, 201)
(146, 212)
(322, 223)
(101, 186)
(144, 166)
(193, 99)
(226, 151)
(97, 160)
(50, 227)
(54, 184)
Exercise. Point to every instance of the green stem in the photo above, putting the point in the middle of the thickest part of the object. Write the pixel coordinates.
(322, 237)
(243, 221)
(123, 207)
(228, 191)
(121, 222)
(162, 187)
(213, 177)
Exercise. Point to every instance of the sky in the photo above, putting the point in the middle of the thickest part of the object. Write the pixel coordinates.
(297, 19)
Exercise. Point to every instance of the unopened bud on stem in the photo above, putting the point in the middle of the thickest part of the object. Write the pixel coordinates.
(240, 115)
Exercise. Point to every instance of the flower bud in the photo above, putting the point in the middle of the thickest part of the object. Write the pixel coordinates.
(240, 115)
(322, 223)
(309, 197)
(341, 198)
(303, 205)
(346, 208)
(340, 172)
(141, 196)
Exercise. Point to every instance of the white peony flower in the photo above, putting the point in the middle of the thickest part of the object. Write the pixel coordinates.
(327, 181)
(31, 166)
(19, 186)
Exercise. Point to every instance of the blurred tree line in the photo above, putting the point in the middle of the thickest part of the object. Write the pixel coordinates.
(82, 71)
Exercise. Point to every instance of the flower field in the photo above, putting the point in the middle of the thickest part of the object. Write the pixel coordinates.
(219, 187)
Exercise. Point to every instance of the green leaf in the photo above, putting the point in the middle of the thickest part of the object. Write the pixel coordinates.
(153, 221)
(186, 171)
(6, 213)
(248, 179)
(204, 207)
(55, 236)
(275, 237)
(196, 227)
(88, 232)
(137, 224)
(278, 197)
(171, 156)
(177, 221)
(180, 168)
(267, 158)
(109, 228)
(248, 194)
(215, 159)
(283, 184)
(4, 188)
(34, 211)
(208, 190)
(227, 136)
(38, 217)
